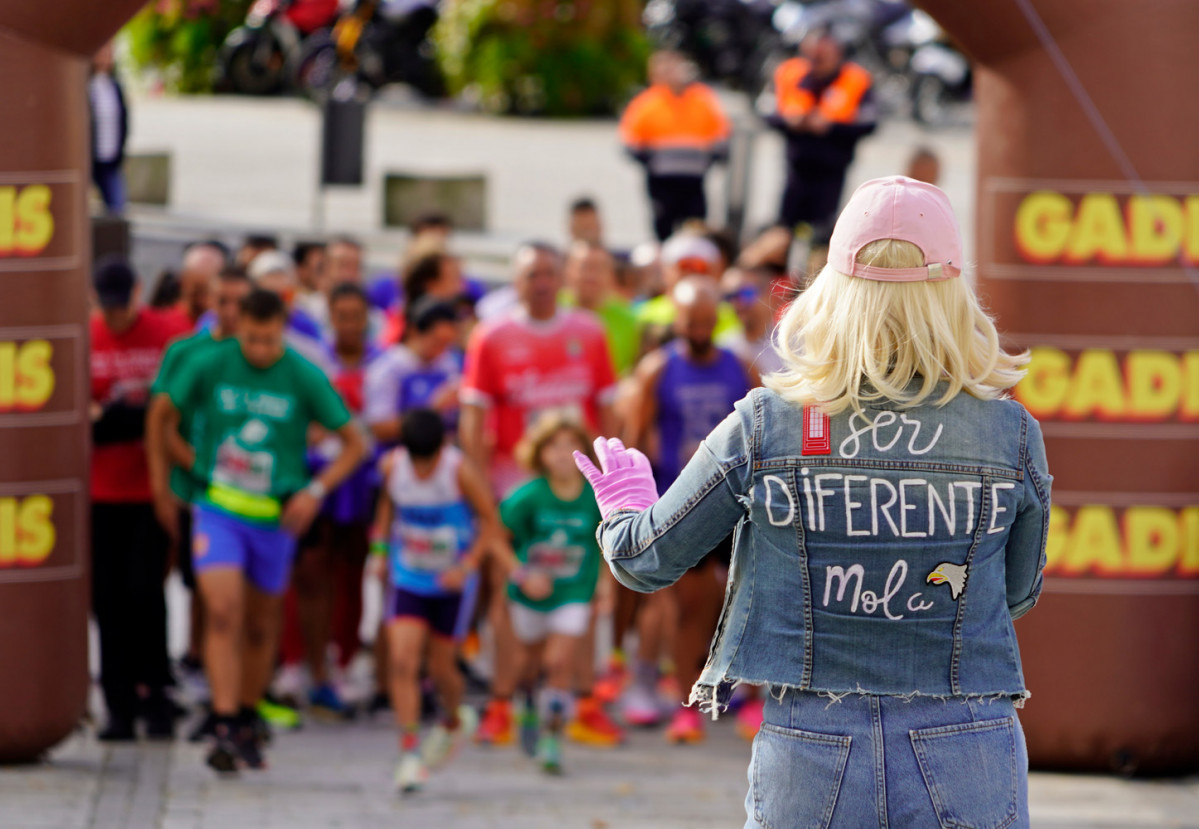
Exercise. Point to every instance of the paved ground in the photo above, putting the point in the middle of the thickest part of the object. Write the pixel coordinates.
(339, 776)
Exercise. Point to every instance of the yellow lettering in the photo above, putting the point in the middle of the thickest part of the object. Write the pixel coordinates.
(35, 378)
(35, 530)
(8, 219)
(1098, 231)
(1097, 387)
(1151, 534)
(1154, 383)
(1043, 390)
(1043, 225)
(1189, 407)
(1191, 233)
(1188, 523)
(1155, 229)
(1094, 544)
(8, 531)
(34, 227)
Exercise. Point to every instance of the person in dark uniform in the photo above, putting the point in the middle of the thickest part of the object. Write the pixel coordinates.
(824, 105)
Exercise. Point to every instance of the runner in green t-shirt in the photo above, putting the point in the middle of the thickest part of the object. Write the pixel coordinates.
(552, 521)
(256, 400)
(591, 284)
(170, 484)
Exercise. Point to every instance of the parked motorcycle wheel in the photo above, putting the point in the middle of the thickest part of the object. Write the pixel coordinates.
(932, 101)
(255, 67)
(314, 70)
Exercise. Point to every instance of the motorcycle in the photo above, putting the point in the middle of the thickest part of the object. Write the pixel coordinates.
(253, 58)
(942, 84)
(727, 39)
(373, 43)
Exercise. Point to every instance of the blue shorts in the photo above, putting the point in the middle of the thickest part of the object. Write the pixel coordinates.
(439, 613)
(264, 554)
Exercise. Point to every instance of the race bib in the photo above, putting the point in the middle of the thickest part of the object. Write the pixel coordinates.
(556, 558)
(243, 469)
(427, 549)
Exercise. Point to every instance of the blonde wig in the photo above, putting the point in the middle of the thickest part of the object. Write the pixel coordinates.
(850, 342)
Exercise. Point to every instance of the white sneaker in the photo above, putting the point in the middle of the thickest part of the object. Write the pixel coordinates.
(410, 774)
(640, 706)
(442, 745)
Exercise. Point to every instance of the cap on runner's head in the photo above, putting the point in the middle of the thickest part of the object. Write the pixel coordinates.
(271, 261)
(902, 208)
(691, 254)
(113, 281)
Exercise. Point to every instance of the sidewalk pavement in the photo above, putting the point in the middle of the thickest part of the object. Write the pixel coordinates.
(339, 775)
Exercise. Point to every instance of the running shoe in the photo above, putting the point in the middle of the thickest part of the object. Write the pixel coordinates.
(279, 715)
(223, 758)
(496, 728)
(609, 687)
(549, 754)
(379, 702)
(529, 727)
(249, 746)
(442, 744)
(641, 707)
(686, 727)
(591, 726)
(749, 719)
(410, 774)
(325, 702)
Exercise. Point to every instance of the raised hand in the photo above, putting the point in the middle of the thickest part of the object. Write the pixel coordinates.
(624, 480)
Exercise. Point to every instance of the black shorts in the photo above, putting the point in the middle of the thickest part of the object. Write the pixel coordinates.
(440, 613)
(187, 570)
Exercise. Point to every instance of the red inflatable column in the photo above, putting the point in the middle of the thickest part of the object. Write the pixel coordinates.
(44, 265)
(1088, 251)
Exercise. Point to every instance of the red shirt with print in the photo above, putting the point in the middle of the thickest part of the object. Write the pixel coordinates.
(518, 367)
(122, 368)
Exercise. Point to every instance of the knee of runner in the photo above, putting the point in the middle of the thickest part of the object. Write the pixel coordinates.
(223, 618)
(405, 667)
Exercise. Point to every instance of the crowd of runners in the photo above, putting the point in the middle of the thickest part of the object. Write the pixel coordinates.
(295, 427)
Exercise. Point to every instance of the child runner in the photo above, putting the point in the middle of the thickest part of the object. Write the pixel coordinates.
(434, 522)
(552, 521)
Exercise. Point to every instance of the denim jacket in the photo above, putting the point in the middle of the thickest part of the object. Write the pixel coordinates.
(891, 560)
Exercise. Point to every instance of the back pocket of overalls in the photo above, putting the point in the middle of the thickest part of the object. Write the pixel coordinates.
(970, 772)
(796, 777)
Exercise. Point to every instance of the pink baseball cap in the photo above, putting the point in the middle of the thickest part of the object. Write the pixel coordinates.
(898, 207)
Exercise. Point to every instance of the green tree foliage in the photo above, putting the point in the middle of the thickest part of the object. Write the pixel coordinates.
(543, 57)
(180, 39)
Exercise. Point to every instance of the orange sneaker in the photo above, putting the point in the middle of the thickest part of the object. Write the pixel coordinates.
(591, 725)
(611, 685)
(496, 728)
(749, 719)
(686, 727)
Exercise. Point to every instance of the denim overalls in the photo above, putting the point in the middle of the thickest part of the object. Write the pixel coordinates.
(878, 562)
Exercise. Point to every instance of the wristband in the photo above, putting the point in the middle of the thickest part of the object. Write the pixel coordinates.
(317, 489)
(378, 548)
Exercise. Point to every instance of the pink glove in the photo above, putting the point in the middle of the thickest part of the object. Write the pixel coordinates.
(626, 482)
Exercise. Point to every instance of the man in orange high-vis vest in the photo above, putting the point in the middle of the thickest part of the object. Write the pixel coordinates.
(676, 129)
(823, 105)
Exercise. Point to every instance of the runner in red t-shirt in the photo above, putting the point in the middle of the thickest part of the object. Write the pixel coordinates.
(129, 548)
(537, 357)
